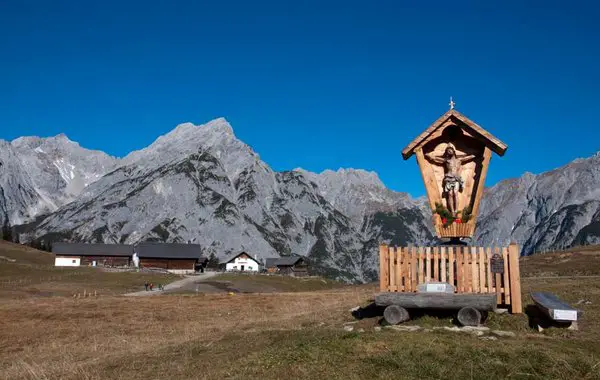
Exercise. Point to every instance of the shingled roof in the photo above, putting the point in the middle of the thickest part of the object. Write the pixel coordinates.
(169, 251)
(282, 261)
(77, 249)
(490, 140)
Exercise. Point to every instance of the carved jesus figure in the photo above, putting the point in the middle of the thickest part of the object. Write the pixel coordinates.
(452, 182)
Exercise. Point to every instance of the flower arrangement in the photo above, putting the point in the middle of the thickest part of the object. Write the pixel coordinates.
(448, 218)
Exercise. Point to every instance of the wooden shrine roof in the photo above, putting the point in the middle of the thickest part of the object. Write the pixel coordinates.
(494, 143)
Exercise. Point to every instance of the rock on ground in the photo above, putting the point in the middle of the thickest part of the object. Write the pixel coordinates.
(404, 328)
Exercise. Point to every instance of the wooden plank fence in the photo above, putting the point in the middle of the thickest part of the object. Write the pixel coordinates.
(401, 269)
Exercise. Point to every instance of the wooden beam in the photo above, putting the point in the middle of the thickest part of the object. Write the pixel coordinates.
(456, 301)
(391, 269)
(433, 192)
(409, 149)
(398, 268)
(507, 289)
(487, 155)
(498, 146)
(490, 140)
(383, 265)
(515, 279)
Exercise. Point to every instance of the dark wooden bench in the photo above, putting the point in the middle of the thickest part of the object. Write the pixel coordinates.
(554, 309)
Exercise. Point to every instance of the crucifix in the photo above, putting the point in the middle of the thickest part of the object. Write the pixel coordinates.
(451, 103)
(452, 183)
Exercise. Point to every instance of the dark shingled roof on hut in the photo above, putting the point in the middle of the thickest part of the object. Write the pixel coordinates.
(76, 249)
(170, 251)
(143, 250)
(282, 261)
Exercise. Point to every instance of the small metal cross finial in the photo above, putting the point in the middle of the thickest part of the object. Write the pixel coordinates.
(451, 103)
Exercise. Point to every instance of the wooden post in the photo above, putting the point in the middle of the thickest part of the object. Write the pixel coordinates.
(421, 270)
(451, 268)
(515, 279)
(443, 258)
(398, 268)
(474, 271)
(406, 268)
(413, 269)
(391, 269)
(490, 281)
(498, 278)
(427, 264)
(482, 264)
(487, 155)
(507, 286)
(460, 284)
(436, 264)
(431, 187)
(383, 266)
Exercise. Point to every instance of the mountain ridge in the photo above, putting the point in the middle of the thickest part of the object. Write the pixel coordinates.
(200, 183)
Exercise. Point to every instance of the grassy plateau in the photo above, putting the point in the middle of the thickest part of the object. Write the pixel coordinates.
(289, 333)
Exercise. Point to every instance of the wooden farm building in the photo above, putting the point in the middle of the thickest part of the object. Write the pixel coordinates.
(240, 262)
(173, 257)
(82, 254)
(291, 265)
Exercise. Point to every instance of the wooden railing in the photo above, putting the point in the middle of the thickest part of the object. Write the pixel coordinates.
(468, 269)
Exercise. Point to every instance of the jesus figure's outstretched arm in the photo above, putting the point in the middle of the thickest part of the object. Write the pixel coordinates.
(436, 159)
(466, 158)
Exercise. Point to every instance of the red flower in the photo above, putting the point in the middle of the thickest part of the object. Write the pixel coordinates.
(458, 221)
(444, 220)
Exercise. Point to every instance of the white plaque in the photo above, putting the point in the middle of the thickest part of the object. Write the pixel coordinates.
(436, 288)
(565, 315)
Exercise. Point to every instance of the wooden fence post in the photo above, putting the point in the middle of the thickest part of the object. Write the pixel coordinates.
(383, 267)
(515, 279)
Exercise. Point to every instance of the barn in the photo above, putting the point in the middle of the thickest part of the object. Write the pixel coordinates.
(241, 262)
(295, 266)
(76, 254)
(174, 257)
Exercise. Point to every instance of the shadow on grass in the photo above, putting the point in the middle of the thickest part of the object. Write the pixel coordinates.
(428, 316)
(538, 318)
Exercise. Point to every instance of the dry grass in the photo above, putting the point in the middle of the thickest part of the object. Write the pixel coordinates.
(26, 272)
(583, 262)
(22, 254)
(282, 335)
(262, 283)
(279, 335)
(109, 337)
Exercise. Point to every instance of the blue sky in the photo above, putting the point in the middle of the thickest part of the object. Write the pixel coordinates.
(312, 84)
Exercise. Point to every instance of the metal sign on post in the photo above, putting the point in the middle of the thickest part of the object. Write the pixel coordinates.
(497, 263)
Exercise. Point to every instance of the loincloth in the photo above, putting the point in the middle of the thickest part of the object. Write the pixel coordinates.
(452, 183)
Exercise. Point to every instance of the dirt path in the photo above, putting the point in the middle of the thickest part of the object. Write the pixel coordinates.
(175, 285)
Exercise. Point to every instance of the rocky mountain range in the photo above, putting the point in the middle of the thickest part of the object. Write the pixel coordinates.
(201, 184)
